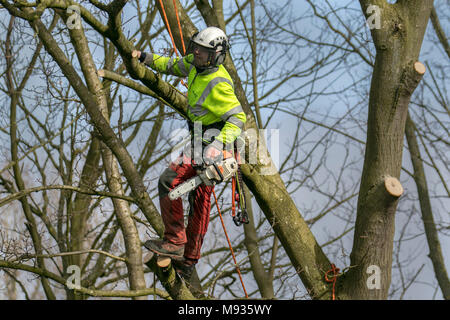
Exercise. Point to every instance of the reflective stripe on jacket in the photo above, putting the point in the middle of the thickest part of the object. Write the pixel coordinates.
(211, 94)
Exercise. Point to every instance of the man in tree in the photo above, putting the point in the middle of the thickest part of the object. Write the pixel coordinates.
(212, 105)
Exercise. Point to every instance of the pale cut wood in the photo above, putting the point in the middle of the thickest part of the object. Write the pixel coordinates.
(147, 257)
(101, 73)
(163, 262)
(393, 186)
(420, 67)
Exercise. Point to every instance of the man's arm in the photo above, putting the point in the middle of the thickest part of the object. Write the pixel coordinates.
(179, 67)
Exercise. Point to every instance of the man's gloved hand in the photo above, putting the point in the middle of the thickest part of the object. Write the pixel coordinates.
(212, 154)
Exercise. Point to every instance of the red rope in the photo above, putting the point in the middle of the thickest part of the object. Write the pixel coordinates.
(229, 244)
(333, 280)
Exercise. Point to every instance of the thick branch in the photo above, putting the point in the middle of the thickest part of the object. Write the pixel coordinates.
(107, 135)
(25, 192)
(170, 281)
(431, 233)
(63, 254)
(124, 293)
(110, 75)
(439, 31)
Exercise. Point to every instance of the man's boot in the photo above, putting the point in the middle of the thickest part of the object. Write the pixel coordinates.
(184, 268)
(165, 248)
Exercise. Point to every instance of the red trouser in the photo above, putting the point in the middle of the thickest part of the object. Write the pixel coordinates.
(172, 210)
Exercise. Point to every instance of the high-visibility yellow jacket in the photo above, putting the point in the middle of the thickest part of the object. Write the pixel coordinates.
(211, 94)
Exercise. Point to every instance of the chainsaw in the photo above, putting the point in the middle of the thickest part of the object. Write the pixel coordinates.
(210, 175)
(214, 173)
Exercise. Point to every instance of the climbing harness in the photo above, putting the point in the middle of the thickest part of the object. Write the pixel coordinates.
(238, 196)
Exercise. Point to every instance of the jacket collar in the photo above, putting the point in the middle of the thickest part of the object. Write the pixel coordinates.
(207, 71)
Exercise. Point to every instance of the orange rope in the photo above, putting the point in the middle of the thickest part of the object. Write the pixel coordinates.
(229, 244)
(170, 31)
(233, 199)
(168, 26)
(335, 274)
(179, 27)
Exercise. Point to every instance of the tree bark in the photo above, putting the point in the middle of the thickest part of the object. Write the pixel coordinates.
(80, 211)
(263, 279)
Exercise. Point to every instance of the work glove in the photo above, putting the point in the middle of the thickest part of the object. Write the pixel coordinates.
(140, 55)
(212, 153)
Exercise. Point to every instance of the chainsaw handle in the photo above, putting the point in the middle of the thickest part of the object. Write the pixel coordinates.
(218, 171)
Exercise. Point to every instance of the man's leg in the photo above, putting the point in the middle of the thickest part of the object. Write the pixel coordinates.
(200, 207)
(198, 222)
(172, 210)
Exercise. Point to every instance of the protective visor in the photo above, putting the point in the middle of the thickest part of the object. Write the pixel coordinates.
(208, 54)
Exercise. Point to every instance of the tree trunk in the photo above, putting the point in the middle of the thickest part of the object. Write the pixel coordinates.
(263, 279)
(80, 211)
(395, 76)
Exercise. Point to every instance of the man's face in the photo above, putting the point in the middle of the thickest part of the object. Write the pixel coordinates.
(201, 55)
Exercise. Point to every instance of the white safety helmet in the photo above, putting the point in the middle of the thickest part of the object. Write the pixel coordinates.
(215, 41)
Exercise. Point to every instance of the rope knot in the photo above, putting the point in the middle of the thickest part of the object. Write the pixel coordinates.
(335, 272)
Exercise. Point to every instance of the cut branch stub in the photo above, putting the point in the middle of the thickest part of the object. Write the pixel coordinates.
(419, 67)
(147, 257)
(163, 262)
(413, 76)
(393, 186)
(101, 73)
